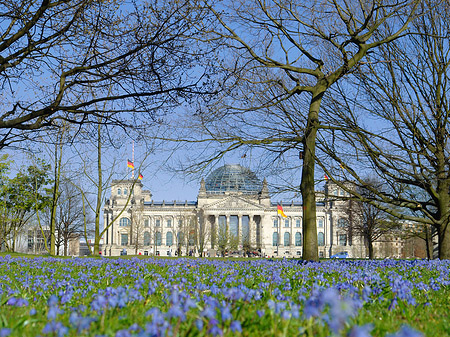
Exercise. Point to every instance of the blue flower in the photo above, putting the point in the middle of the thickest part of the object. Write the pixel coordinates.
(235, 326)
(361, 331)
(406, 331)
(199, 324)
(55, 328)
(5, 332)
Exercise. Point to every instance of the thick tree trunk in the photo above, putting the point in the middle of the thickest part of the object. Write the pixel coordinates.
(55, 196)
(307, 186)
(66, 243)
(99, 192)
(429, 241)
(370, 247)
(442, 189)
(444, 242)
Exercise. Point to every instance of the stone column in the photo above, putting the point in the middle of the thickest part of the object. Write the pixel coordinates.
(112, 228)
(106, 225)
(239, 230)
(214, 227)
(251, 227)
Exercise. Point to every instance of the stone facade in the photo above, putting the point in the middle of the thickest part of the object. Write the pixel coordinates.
(233, 214)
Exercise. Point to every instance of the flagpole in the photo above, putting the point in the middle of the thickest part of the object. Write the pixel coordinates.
(278, 231)
(132, 159)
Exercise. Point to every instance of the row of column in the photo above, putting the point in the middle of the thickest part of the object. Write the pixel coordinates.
(254, 227)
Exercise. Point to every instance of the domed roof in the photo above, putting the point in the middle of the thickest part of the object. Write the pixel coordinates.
(232, 178)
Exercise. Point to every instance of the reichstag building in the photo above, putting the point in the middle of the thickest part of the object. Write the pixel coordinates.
(233, 214)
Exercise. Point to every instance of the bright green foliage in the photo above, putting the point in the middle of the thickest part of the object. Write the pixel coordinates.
(20, 198)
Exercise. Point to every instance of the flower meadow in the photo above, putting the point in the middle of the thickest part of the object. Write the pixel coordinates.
(212, 297)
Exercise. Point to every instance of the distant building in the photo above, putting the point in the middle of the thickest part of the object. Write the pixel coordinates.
(84, 250)
(36, 242)
(233, 214)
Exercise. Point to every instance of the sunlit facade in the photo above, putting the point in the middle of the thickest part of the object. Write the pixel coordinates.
(233, 214)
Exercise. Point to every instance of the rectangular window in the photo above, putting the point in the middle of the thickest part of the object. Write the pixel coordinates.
(275, 223)
(146, 223)
(297, 223)
(234, 227)
(158, 223)
(320, 223)
(342, 223)
(342, 239)
(286, 223)
(180, 223)
(222, 225)
(124, 239)
(169, 223)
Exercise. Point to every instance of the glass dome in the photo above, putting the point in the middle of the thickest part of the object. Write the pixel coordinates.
(232, 178)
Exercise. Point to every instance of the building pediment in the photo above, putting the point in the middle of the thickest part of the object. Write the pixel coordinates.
(234, 203)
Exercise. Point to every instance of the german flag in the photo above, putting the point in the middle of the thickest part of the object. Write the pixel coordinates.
(280, 211)
(130, 164)
(140, 176)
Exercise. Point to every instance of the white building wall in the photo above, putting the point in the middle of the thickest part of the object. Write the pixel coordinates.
(227, 204)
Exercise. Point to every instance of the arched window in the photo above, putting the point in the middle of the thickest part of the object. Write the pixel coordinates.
(146, 239)
(321, 239)
(287, 239)
(180, 238)
(125, 191)
(275, 239)
(124, 222)
(191, 238)
(298, 239)
(169, 239)
(158, 238)
(119, 191)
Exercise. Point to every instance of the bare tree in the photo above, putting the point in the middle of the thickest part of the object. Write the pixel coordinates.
(404, 87)
(369, 222)
(423, 232)
(69, 216)
(203, 232)
(274, 51)
(187, 235)
(135, 56)
(223, 238)
(137, 227)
